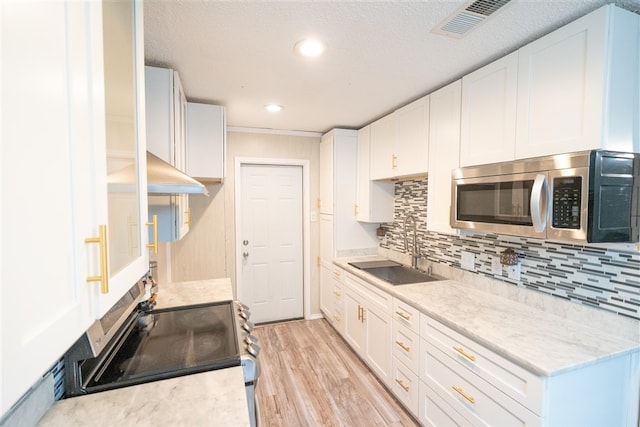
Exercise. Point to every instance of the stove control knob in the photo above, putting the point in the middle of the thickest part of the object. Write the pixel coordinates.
(251, 339)
(245, 315)
(253, 350)
(248, 326)
(242, 307)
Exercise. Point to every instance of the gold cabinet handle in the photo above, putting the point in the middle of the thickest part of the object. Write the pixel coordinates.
(188, 221)
(401, 384)
(336, 318)
(464, 353)
(394, 161)
(103, 278)
(402, 346)
(337, 273)
(154, 224)
(463, 394)
(336, 293)
(359, 312)
(404, 316)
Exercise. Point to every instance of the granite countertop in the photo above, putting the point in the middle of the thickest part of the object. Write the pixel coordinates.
(198, 399)
(193, 292)
(541, 342)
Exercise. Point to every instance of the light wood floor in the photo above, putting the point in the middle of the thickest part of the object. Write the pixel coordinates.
(310, 377)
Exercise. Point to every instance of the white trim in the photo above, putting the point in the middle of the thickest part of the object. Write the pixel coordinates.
(306, 222)
(314, 316)
(274, 131)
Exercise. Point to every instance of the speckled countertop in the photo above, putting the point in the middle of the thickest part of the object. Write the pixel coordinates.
(209, 398)
(544, 343)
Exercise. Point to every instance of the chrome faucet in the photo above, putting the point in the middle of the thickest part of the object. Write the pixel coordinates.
(415, 252)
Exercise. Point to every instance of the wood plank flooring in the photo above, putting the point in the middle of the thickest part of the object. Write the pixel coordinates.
(310, 377)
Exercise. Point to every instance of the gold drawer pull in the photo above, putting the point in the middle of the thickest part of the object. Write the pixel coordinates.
(336, 293)
(336, 317)
(337, 273)
(404, 316)
(103, 278)
(401, 384)
(405, 348)
(154, 223)
(463, 394)
(464, 353)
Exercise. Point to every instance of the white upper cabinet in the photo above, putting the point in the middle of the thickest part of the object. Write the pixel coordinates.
(325, 201)
(578, 86)
(444, 152)
(412, 144)
(374, 199)
(400, 142)
(166, 138)
(488, 124)
(64, 137)
(206, 142)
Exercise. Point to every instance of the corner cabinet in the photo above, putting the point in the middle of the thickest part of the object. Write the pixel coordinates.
(374, 199)
(400, 142)
(166, 138)
(88, 232)
(578, 87)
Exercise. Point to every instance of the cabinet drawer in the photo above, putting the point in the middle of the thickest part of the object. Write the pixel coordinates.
(506, 376)
(436, 412)
(338, 274)
(471, 396)
(405, 386)
(406, 315)
(405, 346)
(376, 297)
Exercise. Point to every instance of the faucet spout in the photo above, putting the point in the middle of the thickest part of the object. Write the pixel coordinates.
(415, 251)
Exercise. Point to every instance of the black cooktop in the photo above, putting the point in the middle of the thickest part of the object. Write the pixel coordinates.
(166, 343)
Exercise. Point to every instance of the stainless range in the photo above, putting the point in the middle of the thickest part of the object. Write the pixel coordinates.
(134, 344)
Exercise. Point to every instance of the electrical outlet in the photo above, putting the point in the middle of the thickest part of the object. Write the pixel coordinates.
(468, 261)
(513, 272)
(496, 266)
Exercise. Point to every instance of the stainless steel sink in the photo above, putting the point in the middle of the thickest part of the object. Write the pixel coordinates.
(394, 273)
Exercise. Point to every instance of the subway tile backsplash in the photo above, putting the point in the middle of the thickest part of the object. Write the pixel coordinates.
(604, 278)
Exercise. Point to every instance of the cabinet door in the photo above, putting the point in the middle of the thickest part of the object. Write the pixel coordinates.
(561, 89)
(444, 155)
(326, 290)
(326, 238)
(378, 342)
(374, 199)
(44, 299)
(206, 141)
(412, 144)
(325, 203)
(488, 125)
(383, 141)
(354, 327)
(180, 154)
(124, 126)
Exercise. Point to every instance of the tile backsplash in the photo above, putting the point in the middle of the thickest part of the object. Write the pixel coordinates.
(604, 278)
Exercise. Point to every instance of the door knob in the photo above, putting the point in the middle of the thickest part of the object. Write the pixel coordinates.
(245, 242)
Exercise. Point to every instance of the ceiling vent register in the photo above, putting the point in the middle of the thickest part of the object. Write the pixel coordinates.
(468, 17)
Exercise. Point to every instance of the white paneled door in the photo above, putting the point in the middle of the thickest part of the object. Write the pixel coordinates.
(271, 244)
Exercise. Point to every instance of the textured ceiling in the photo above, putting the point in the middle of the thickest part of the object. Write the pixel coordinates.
(379, 55)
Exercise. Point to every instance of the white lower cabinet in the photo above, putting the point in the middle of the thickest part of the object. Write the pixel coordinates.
(405, 385)
(332, 295)
(434, 411)
(367, 323)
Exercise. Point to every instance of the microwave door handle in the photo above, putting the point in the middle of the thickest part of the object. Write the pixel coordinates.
(539, 201)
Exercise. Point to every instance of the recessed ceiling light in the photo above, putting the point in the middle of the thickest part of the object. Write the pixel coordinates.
(309, 47)
(273, 108)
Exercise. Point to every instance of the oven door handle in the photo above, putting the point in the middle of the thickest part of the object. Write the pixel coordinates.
(539, 203)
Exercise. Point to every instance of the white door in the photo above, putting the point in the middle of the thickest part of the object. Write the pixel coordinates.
(270, 248)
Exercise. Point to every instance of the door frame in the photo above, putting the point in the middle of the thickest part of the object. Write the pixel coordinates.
(306, 217)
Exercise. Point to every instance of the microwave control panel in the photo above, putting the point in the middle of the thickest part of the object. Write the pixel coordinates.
(566, 202)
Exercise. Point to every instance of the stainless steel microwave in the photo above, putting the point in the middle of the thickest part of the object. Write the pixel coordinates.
(586, 197)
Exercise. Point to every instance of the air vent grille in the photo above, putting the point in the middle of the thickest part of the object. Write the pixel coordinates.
(486, 7)
(468, 17)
